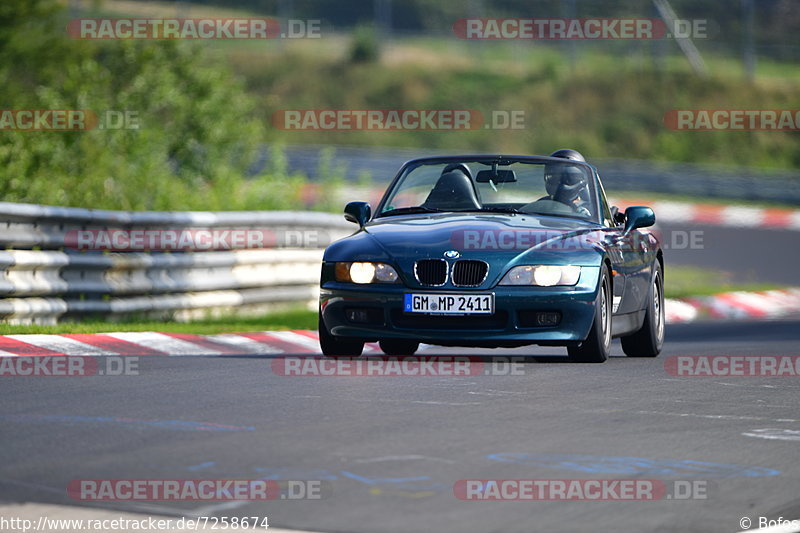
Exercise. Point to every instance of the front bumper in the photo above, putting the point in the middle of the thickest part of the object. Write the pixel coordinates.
(379, 314)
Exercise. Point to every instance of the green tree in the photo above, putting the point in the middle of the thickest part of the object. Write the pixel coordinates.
(196, 135)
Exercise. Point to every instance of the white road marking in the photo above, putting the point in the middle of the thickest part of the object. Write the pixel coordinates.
(295, 338)
(162, 343)
(679, 311)
(716, 417)
(490, 392)
(774, 434)
(60, 344)
(372, 347)
(673, 211)
(245, 344)
(423, 402)
(174, 346)
(738, 215)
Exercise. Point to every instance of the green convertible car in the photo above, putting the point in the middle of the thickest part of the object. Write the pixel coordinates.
(495, 251)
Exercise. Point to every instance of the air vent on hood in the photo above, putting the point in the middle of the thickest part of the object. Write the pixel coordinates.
(432, 272)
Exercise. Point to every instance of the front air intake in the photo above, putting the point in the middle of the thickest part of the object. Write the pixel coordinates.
(431, 272)
(469, 272)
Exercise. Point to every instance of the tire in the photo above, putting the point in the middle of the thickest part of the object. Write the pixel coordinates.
(398, 347)
(597, 345)
(333, 347)
(648, 341)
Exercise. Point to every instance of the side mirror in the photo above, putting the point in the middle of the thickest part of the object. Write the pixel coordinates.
(619, 218)
(638, 216)
(357, 212)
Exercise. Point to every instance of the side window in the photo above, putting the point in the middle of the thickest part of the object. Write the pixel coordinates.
(605, 211)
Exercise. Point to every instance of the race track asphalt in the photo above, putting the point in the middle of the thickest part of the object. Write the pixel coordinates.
(388, 450)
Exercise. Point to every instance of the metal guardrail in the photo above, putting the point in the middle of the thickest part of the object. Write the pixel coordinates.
(44, 277)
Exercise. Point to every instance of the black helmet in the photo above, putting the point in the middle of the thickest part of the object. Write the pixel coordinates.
(564, 183)
(566, 153)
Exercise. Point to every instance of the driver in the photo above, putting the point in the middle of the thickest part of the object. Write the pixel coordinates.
(566, 184)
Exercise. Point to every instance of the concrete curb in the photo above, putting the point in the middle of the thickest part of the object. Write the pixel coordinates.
(737, 305)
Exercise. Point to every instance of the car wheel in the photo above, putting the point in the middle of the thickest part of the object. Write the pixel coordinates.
(648, 341)
(398, 347)
(597, 345)
(333, 347)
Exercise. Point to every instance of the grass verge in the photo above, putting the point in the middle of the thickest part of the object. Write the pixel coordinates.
(687, 281)
(290, 319)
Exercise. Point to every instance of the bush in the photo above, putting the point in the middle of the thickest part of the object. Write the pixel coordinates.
(197, 134)
(365, 47)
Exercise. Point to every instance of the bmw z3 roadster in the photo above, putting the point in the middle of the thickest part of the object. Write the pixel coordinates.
(495, 251)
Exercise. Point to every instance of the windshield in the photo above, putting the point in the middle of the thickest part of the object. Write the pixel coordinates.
(532, 187)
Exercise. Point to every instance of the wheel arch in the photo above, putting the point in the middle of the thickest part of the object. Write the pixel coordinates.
(610, 269)
(660, 259)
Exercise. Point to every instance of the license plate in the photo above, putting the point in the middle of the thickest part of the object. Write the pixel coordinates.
(449, 304)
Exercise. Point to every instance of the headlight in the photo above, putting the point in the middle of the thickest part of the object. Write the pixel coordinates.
(542, 275)
(362, 272)
(385, 273)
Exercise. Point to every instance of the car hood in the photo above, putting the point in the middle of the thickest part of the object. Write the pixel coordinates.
(501, 240)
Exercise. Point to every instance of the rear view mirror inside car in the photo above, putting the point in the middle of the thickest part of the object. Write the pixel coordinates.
(496, 176)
